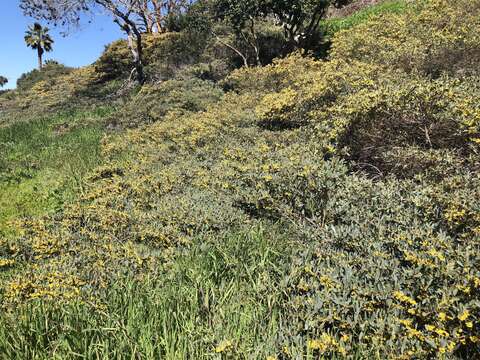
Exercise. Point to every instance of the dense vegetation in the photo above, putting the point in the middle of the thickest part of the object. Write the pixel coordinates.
(309, 208)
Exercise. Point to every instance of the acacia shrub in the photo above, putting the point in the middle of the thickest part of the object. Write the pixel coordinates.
(382, 277)
(114, 61)
(419, 39)
(163, 55)
(363, 111)
(384, 266)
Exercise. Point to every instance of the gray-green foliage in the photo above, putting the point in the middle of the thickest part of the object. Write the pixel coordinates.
(179, 96)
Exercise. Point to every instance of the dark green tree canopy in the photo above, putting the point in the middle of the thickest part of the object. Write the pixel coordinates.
(300, 19)
(3, 81)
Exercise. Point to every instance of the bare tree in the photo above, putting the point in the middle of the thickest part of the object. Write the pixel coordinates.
(156, 14)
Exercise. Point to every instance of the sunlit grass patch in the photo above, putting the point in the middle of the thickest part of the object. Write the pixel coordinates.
(43, 162)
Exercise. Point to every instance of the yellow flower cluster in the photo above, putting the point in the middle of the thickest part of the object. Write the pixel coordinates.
(326, 344)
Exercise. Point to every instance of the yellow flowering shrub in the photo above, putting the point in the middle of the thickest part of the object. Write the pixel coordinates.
(368, 161)
(430, 37)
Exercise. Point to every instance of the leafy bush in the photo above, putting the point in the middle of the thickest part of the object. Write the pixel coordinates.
(115, 61)
(153, 102)
(77, 88)
(50, 71)
(382, 278)
(164, 54)
(431, 42)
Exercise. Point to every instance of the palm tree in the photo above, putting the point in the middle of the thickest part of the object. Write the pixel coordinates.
(37, 38)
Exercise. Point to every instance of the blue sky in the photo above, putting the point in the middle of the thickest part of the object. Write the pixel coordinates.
(81, 47)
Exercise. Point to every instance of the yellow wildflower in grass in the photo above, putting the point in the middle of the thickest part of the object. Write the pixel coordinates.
(6, 262)
(430, 327)
(411, 333)
(316, 345)
(442, 332)
(451, 346)
(223, 346)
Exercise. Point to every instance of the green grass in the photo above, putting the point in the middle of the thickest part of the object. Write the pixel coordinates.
(222, 289)
(332, 26)
(43, 162)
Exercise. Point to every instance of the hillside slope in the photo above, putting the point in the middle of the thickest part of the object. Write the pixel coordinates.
(305, 209)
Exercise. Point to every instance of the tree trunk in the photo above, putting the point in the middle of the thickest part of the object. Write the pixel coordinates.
(40, 61)
(133, 34)
(157, 10)
(135, 45)
(146, 18)
(231, 47)
(255, 42)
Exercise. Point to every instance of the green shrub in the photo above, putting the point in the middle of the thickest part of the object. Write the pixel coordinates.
(382, 278)
(153, 102)
(431, 37)
(50, 71)
(115, 61)
(163, 55)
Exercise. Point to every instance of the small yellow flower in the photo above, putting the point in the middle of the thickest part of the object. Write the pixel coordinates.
(442, 316)
(223, 346)
(464, 315)
(316, 345)
(404, 298)
(451, 346)
(469, 324)
(406, 323)
(441, 332)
